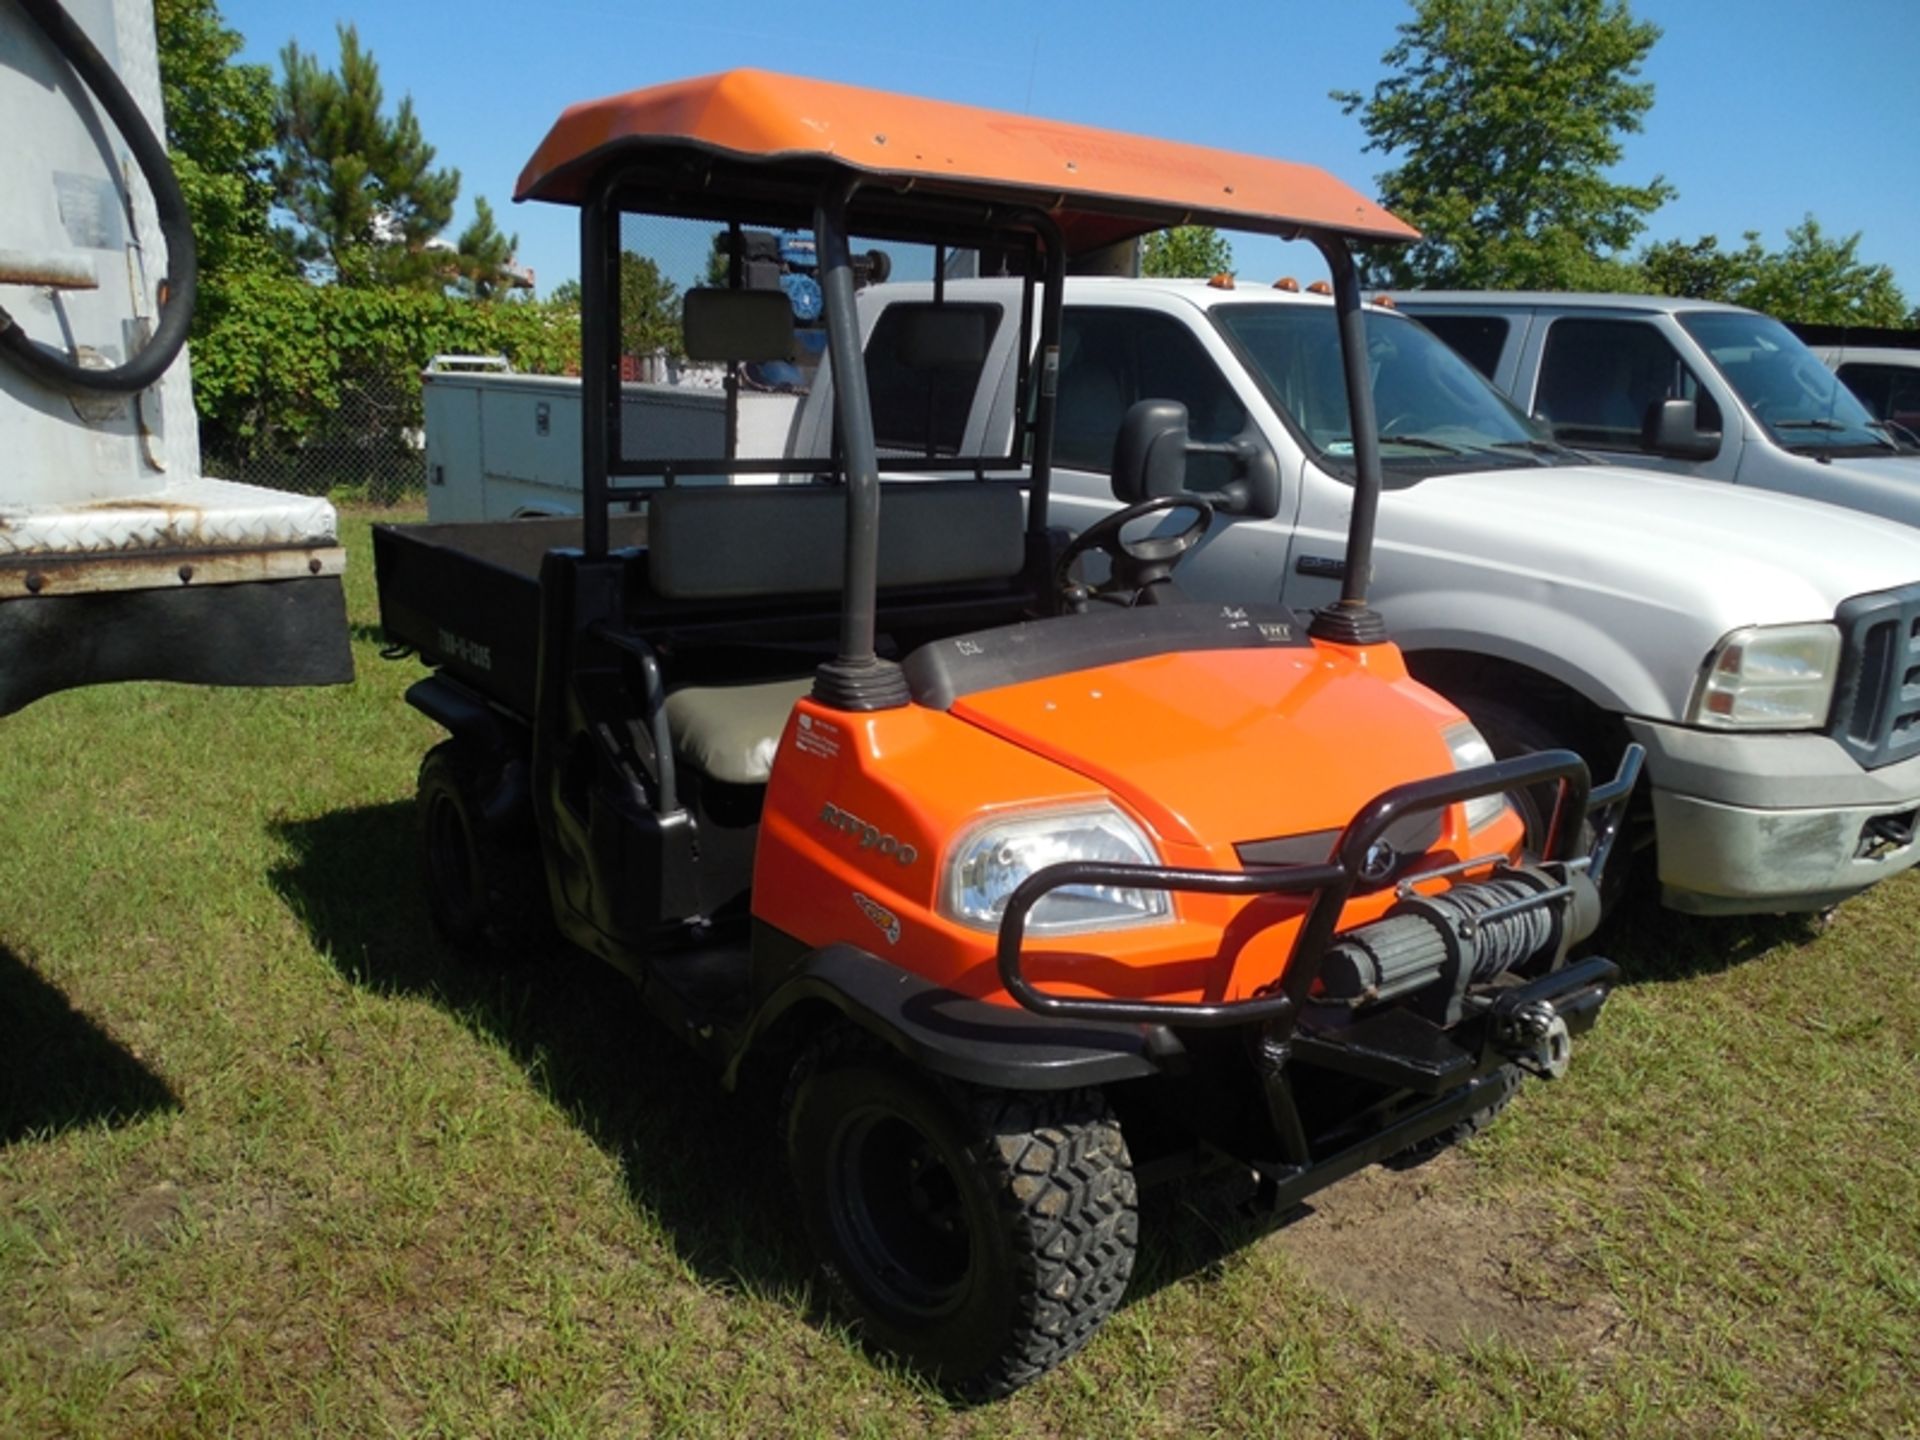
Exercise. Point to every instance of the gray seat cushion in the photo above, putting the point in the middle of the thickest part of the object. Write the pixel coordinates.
(732, 731)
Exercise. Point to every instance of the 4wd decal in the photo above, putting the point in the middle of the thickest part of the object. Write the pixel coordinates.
(871, 837)
(888, 922)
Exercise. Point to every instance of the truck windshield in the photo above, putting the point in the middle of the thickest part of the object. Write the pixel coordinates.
(1801, 402)
(1436, 413)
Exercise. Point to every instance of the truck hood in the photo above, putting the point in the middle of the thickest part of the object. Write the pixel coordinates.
(1887, 486)
(1229, 746)
(1700, 547)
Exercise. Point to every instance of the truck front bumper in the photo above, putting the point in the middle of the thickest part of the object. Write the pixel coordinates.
(1768, 824)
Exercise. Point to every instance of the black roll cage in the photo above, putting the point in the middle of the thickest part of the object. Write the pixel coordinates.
(702, 185)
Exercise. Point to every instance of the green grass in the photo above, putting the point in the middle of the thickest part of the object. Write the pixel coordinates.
(272, 1163)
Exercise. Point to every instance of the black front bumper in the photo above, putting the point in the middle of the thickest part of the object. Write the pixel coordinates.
(1341, 1084)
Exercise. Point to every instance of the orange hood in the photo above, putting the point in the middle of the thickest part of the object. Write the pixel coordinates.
(1223, 746)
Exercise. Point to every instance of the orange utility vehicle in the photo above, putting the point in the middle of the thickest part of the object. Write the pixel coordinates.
(1041, 891)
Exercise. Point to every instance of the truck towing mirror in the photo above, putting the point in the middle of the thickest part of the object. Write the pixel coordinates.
(1150, 459)
(1150, 452)
(1672, 429)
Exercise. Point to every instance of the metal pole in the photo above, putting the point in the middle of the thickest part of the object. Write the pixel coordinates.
(599, 378)
(735, 265)
(1351, 621)
(1052, 303)
(857, 679)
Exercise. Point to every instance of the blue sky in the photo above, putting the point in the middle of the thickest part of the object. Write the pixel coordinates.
(1765, 110)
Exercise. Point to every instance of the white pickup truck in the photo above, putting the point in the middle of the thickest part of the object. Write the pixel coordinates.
(1692, 387)
(1764, 648)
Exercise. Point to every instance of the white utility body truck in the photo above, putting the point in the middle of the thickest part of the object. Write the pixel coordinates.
(119, 558)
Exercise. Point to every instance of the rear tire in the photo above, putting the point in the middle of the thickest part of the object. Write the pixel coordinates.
(487, 894)
(980, 1235)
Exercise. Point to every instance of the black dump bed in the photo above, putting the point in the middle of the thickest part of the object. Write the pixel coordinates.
(467, 596)
(738, 582)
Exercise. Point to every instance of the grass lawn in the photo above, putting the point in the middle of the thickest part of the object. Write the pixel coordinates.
(272, 1163)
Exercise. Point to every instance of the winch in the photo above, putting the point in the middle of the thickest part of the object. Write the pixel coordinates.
(1469, 935)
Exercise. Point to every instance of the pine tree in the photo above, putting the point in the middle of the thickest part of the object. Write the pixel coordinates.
(482, 255)
(359, 184)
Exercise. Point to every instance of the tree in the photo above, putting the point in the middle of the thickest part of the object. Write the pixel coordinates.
(1814, 280)
(1506, 115)
(649, 306)
(482, 256)
(219, 137)
(1822, 281)
(1192, 252)
(359, 185)
(1697, 271)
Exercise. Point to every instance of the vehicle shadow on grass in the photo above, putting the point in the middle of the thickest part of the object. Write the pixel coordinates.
(703, 1162)
(58, 1069)
(707, 1165)
(1656, 946)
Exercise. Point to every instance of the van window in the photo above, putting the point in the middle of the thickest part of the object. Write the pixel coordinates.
(1111, 358)
(1890, 392)
(920, 404)
(1478, 338)
(1803, 405)
(1600, 378)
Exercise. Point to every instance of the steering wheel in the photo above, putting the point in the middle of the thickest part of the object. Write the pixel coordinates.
(1138, 565)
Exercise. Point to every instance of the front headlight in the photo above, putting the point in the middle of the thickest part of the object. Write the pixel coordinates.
(989, 862)
(1769, 677)
(1471, 750)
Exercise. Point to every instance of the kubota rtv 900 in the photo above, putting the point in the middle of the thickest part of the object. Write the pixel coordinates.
(1041, 889)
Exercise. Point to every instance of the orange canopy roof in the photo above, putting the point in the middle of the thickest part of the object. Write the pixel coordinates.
(1123, 184)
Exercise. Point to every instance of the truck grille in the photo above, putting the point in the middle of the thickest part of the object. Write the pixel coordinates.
(1876, 706)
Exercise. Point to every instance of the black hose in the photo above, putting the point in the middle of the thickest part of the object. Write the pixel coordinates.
(177, 290)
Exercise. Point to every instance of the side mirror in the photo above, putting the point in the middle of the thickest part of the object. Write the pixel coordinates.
(1150, 459)
(1150, 452)
(1672, 429)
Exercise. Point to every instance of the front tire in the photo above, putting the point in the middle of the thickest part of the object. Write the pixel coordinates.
(1510, 730)
(981, 1235)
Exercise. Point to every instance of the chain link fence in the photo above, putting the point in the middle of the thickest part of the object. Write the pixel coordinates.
(370, 449)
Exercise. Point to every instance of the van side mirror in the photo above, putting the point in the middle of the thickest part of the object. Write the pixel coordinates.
(1672, 429)
(1150, 459)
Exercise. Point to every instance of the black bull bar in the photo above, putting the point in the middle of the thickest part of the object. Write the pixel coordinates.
(1331, 884)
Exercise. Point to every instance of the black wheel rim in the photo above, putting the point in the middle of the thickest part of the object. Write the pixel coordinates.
(449, 857)
(900, 1214)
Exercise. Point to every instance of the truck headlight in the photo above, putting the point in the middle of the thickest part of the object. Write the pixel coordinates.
(1470, 750)
(1769, 677)
(990, 861)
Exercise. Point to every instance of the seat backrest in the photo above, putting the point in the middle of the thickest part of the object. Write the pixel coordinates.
(731, 542)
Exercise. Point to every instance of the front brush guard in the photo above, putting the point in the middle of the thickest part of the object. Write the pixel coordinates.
(1331, 884)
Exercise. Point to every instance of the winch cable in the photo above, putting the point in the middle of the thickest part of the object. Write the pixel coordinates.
(181, 283)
